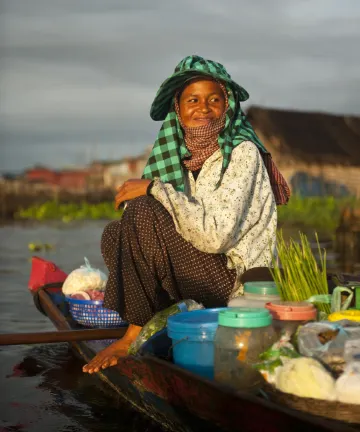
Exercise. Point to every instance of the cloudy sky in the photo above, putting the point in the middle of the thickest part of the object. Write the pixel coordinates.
(77, 77)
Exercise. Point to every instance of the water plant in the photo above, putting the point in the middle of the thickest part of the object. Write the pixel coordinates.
(36, 247)
(319, 213)
(67, 212)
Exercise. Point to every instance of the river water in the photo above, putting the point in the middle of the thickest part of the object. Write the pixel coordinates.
(42, 387)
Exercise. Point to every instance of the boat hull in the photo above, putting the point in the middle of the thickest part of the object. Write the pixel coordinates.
(182, 401)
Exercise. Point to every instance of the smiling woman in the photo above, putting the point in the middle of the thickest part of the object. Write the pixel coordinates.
(202, 101)
(204, 212)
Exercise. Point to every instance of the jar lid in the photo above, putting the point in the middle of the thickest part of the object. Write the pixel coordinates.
(292, 311)
(261, 288)
(245, 317)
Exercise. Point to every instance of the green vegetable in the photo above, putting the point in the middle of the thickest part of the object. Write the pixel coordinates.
(296, 272)
(158, 322)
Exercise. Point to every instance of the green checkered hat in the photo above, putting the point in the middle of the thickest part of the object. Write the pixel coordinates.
(188, 67)
(169, 149)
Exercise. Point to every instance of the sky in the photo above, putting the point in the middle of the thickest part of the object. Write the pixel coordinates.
(77, 77)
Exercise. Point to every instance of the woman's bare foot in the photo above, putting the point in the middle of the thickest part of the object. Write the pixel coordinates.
(110, 355)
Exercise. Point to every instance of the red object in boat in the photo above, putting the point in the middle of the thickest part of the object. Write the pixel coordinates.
(44, 272)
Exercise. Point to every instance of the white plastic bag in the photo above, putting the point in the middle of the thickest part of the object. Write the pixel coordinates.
(331, 352)
(348, 385)
(306, 377)
(83, 279)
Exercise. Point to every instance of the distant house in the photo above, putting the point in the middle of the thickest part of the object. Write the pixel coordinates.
(319, 154)
(73, 179)
(67, 179)
(117, 172)
(41, 174)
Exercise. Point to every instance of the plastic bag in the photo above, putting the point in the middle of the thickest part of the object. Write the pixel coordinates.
(326, 341)
(83, 279)
(306, 377)
(159, 321)
(348, 385)
(275, 357)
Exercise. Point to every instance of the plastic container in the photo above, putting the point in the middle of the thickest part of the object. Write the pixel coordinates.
(357, 297)
(256, 295)
(287, 316)
(242, 335)
(192, 335)
(350, 314)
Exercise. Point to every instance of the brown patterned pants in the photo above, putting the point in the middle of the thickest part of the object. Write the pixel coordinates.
(151, 266)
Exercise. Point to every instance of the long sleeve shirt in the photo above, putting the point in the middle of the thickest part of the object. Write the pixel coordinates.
(238, 219)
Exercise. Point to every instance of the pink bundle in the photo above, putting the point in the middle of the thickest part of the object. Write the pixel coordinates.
(89, 295)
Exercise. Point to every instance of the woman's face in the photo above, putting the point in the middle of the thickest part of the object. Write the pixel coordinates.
(200, 102)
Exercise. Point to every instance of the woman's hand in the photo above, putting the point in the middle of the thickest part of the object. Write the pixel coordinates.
(131, 189)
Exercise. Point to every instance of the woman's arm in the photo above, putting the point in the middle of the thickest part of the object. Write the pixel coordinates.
(216, 222)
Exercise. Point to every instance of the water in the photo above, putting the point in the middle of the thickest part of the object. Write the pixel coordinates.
(42, 386)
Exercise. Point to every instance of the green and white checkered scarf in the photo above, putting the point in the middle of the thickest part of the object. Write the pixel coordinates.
(169, 150)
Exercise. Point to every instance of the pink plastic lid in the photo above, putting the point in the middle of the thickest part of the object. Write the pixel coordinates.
(292, 311)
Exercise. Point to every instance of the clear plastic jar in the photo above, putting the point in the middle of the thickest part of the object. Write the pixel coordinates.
(288, 316)
(256, 295)
(242, 335)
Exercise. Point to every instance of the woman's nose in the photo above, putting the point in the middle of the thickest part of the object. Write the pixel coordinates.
(204, 107)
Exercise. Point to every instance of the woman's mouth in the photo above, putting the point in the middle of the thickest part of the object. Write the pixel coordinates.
(204, 120)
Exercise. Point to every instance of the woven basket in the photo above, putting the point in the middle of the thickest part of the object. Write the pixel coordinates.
(349, 413)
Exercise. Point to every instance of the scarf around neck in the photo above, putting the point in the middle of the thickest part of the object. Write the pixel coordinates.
(201, 141)
(170, 151)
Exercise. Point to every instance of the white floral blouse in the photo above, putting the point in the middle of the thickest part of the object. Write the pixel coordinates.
(238, 219)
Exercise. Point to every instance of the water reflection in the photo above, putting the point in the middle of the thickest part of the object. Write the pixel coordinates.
(62, 398)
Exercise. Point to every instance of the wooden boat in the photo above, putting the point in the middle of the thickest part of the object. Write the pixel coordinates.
(182, 401)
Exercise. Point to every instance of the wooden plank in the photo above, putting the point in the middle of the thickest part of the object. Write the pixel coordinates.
(61, 336)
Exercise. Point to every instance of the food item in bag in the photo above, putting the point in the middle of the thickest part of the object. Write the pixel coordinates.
(326, 341)
(276, 356)
(84, 278)
(306, 377)
(348, 385)
(159, 321)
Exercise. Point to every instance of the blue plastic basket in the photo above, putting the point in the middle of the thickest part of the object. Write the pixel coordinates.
(91, 313)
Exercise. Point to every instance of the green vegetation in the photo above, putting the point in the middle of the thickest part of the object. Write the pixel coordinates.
(317, 213)
(53, 210)
(36, 247)
(297, 273)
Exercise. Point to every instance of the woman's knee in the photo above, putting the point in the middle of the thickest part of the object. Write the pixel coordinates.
(111, 231)
(109, 238)
(142, 208)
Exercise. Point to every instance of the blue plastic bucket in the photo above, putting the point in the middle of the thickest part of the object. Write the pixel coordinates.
(192, 335)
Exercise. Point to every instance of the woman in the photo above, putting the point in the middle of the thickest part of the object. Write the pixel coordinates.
(204, 212)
